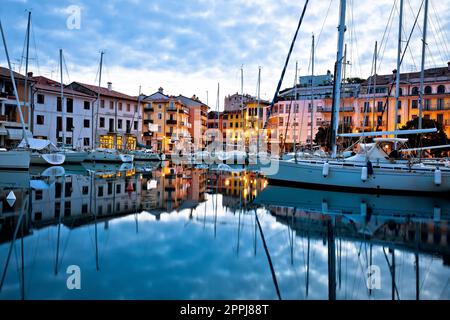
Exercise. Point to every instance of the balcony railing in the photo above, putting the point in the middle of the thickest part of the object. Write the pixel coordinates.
(147, 121)
(149, 108)
(171, 109)
(148, 134)
(171, 122)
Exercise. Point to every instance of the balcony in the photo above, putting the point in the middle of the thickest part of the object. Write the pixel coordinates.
(148, 134)
(147, 121)
(171, 110)
(148, 108)
(171, 122)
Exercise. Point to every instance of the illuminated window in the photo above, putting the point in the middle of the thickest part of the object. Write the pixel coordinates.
(131, 143)
(107, 142)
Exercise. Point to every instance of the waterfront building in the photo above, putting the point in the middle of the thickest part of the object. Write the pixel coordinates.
(116, 117)
(11, 132)
(198, 117)
(166, 121)
(68, 122)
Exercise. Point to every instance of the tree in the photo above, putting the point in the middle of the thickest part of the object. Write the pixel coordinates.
(323, 135)
(427, 139)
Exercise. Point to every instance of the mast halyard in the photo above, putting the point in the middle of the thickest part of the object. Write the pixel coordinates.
(397, 75)
(312, 91)
(62, 98)
(94, 133)
(338, 78)
(422, 69)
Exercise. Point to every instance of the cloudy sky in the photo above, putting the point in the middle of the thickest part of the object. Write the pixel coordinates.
(187, 47)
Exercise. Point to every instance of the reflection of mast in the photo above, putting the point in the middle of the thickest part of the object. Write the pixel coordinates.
(274, 277)
(331, 262)
(416, 255)
(393, 274)
(8, 257)
(239, 233)
(307, 265)
(63, 186)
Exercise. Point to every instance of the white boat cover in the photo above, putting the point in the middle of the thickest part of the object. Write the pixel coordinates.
(38, 144)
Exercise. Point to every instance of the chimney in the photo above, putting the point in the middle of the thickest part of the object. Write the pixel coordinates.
(448, 66)
(30, 74)
(109, 86)
(161, 90)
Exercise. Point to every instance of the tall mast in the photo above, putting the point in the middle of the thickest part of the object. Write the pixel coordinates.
(242, 103)
(397, 80)
(259, 111)
(312, 91)
(422, 70)
(375, 58)
(94, 135)
(295, 113)
(26, 99)
(338, 77)
(11, 73)
(62, 99)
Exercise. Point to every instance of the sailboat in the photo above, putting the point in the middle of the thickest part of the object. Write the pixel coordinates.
(371, 169)
(103, 154)
(17, 159)
(71, 155)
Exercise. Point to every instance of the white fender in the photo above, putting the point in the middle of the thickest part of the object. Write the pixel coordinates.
(364, 175)
(326, 169)
(437, 177)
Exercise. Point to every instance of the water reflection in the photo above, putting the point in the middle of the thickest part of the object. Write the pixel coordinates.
(180, 232)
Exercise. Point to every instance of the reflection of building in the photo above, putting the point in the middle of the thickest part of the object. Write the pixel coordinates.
(10, 127)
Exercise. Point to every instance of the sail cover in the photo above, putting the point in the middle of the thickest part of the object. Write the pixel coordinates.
(38, 144)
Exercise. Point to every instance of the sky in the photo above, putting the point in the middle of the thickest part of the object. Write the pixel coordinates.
(188, 47)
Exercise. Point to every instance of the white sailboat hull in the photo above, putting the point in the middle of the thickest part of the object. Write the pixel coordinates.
(53, 159)
(19, 160)
(75, 156)
(106, 156)
(349, 176)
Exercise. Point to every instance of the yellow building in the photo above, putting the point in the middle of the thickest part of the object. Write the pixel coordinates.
(166, 121)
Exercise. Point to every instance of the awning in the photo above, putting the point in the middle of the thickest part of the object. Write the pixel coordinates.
(3, 131)
(17, 134)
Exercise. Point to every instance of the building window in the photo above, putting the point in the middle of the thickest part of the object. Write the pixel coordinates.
(86, 123)
(159, 106)
(102, 103)
(120, 106)
(119, 123)
(118, 189)
(414, 104)
(399, 105)
(135, 125)
(87, 105)
(38, 195)
(38, 216)
(69, 124)
(380, 106)
(440, 104)
(400, 92)
(428, 90)
(135, 108)
(58, 104)
(40, 119)
(68, 140)
(86, 142)
(84, 208)
(111, 105)
(128, 125)
(281, 120)
(427, 105)
(100, 191)
(441, 89)
(440, 118)
(399, 119)
(128, 107)
(85, 190)
(366, 106)
(40, 99)
(159, 129)
(69, 105)
(379, 120)
(415, 91)
(159, 115)
(102, 122)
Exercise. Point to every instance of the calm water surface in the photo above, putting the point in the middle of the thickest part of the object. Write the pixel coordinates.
(145, 232)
